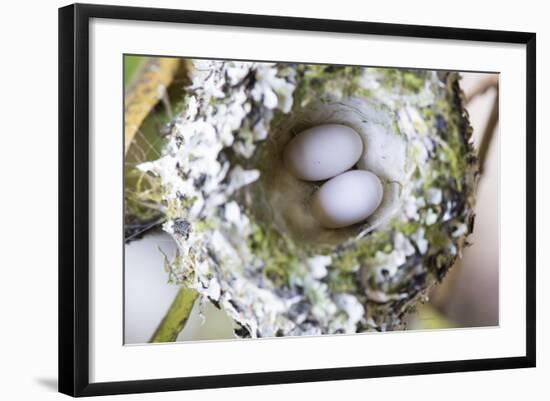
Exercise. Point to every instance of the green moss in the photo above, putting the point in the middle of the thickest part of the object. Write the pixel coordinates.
(455, 164)
(401, 80)
(395, 127)
(342, 282)
(412, 81)
(276, 253)
(454, 136)
(437, 238)
(364, 93)
(427, 113)
(174, 207)
(348, 260)
(315, 82)
(203, 226)
(407, 228)
(364, 249)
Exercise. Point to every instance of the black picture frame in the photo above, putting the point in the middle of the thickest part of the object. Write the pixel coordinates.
(74, 201)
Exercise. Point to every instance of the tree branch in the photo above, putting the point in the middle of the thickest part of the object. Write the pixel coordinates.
(483, 86)
(176, 317)
(488, 134)
(145, 91)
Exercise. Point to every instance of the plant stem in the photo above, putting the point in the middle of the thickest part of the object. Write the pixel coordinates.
(176, 317)
(488, 134)
(483, 86)
(147, 87)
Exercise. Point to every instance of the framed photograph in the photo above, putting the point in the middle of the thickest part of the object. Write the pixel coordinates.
(251, 199)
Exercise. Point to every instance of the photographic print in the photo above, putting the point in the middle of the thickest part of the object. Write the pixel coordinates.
(282, 209)
(275, 199)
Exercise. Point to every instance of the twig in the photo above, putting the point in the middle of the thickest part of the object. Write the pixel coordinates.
(145, 91)
(488, 134)
(176, 317)
(138, 230)
(483, 86)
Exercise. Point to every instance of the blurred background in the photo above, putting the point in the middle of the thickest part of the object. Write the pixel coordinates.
(467, 297)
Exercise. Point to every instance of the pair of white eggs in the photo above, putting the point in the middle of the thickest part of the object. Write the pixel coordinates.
(327, 152)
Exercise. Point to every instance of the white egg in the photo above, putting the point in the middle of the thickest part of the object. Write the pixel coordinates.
(322, 152)
(347, 199)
